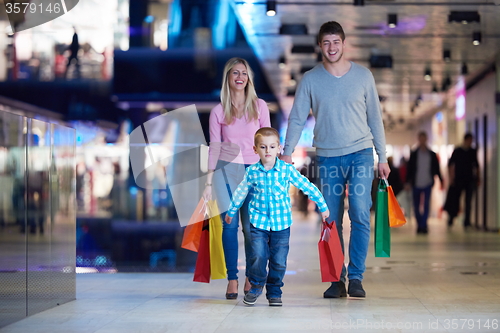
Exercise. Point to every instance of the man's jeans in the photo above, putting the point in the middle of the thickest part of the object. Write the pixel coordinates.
(353, 172)
(417, 199)
(269, 246)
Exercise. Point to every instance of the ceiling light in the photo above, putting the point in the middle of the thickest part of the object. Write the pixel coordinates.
(447, 55)
(427, 74)
(434, 87)
(464, 17)
(476, 38)
(292, 82)
(392, 20)
(282, 62)
(359, 2)
(271, 8)
(465, 69)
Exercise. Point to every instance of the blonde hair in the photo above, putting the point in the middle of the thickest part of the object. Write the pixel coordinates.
(265, 131)
(250, 110)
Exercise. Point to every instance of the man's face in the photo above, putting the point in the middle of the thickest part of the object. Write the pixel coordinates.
(332, 48)
(468, 142)
(422, 139)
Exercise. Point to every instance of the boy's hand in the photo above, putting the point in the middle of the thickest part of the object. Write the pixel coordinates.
(228, 219)
(325, 215)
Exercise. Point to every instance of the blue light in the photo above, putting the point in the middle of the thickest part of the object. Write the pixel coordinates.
(149, 19)
(439, 117)
(133, 190)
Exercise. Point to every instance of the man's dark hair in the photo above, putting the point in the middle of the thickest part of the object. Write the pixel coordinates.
(422, 133)
(468, 136)
(331, 28)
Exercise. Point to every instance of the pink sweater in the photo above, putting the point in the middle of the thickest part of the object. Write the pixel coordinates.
(234, 143)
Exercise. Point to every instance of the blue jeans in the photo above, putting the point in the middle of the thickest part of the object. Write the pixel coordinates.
(353, 172)
(269, 247)
(421, 216)
(224, 185)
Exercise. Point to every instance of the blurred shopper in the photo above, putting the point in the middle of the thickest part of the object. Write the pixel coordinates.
(464, 176)
(233, 123)
(345, 104)
(394, 178)
(423, 166)
(73, 55)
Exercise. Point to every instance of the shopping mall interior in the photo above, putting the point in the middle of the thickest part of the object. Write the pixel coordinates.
(105, 107)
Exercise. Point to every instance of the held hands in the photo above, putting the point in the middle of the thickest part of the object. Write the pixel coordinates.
(325, 215)
(228, 219)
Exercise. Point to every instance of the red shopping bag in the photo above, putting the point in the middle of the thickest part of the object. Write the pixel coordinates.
(192, 233)
(202, 268)
(331, 257)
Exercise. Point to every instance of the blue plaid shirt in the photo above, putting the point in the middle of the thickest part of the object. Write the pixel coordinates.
(270, 207)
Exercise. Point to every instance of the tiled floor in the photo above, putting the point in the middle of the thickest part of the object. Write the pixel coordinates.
(430, 284)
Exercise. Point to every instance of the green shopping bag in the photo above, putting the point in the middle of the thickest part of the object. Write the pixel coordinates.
(382, 230)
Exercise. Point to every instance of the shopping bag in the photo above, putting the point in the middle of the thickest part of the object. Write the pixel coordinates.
(202, 268)
(331, 257)
(396, 215)
(382, 232)
(217, 260)
(192, 232)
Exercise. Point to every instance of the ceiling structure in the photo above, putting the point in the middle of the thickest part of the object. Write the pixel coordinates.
(420, 44)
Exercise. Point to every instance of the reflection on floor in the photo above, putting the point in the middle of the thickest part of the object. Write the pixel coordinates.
(446, 281)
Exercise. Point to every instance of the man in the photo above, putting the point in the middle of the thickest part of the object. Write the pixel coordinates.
(423, 166)
(464, 176)
(345, 104)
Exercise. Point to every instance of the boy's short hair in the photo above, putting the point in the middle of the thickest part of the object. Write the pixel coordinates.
(331, 28)
(265, 131)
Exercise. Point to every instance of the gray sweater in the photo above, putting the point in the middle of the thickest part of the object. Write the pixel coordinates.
(346, 109)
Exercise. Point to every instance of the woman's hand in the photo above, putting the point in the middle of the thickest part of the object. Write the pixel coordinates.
(207, 193)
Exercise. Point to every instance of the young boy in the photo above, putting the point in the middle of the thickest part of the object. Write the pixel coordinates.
(270, 214)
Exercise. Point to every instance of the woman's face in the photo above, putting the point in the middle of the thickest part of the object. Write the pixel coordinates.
(238, 77)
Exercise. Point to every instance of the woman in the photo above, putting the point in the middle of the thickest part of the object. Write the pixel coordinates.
(233, 124)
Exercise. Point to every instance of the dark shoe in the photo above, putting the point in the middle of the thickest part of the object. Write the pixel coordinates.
(422, 231)
(356, 289)
(275, 301)
(336, 290)
(252, 295)
(232, 295)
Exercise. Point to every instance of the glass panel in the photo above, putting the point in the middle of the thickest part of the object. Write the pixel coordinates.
(12, 218)
(63, 213)
(38, 228)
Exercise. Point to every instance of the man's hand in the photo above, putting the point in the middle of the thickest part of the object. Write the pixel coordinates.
(325, 215)
(286, 158)
(383, 170)
(228, 219)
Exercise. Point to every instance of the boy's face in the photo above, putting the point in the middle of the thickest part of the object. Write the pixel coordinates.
(268, 148)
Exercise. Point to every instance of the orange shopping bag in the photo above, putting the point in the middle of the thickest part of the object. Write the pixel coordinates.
(192, 233)
(396, 216)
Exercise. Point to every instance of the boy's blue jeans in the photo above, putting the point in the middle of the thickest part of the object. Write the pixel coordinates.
(269, 247)
(355, 172)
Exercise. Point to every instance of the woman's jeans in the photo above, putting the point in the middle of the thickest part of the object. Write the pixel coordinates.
(224, 184)
(269, 247)
(354, 173)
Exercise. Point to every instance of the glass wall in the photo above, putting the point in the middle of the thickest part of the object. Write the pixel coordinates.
(37, 219)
